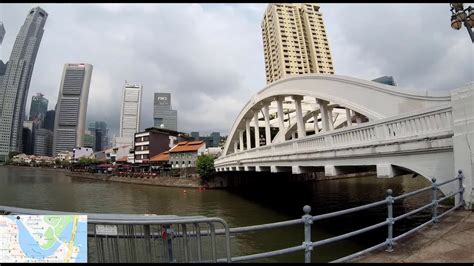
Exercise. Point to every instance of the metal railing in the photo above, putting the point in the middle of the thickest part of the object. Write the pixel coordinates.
(170, 238)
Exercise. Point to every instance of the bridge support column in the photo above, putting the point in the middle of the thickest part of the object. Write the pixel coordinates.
(462, 101)
(299, 117)
(241, 140)
(262, 169)
(331, 170)
(386, 171)
(281, 125)
(330, 119)
(247, 134)
(324, 114)
(316, 125)
(349, 117)
(256, 129)
(268, 136)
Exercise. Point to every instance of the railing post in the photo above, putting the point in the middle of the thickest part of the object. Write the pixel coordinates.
(461, 189)
(435, 201)
(390, 220)
(307, 244)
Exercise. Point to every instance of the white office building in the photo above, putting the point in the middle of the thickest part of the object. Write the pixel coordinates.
(130, 114)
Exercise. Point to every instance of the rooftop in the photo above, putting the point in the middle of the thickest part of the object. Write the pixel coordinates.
(186, 146)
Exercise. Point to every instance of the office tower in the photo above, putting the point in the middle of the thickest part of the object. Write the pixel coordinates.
(16, 81)
(28, 137)
(71, 108)
(195, 135)
(387, 80)
(294, 41)
(48, 122)
(216, 138)
(43, 142)
(2, 32)
(100, 131)
(163, 115)
(39, 107)
(130, 114)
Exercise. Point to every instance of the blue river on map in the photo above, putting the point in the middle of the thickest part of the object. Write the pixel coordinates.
(30, 246)
(81, 242)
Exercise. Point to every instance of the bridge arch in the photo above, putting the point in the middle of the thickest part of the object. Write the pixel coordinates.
(288, 104)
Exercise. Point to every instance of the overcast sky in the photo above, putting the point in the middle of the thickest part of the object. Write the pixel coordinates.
(210, 56)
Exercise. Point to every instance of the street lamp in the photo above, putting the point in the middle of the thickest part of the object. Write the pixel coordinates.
(460, 16)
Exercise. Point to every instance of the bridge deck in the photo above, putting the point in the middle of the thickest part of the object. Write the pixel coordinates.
(452, 240)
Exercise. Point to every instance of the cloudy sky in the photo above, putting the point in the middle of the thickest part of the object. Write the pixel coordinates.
(210, 56)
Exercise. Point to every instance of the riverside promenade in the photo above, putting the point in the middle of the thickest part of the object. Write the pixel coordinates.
(451, 240)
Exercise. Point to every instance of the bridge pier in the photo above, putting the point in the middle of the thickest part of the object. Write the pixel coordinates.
(387, 170)
(280, 169)
(262, 169)
(249, 168)
(463, 139)
(331, 170)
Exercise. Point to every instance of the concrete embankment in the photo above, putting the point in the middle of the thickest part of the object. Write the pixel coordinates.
(451, 240)
(167, 181)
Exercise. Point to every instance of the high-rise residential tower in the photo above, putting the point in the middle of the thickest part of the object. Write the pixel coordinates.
(294, 41)
(16, 81)
(130, 114)
(71, 108)
(39, 107)
(162, 112)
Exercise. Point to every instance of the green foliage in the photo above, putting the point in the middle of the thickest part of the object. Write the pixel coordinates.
(205, 166)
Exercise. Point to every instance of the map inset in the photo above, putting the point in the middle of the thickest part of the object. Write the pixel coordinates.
(43, 238)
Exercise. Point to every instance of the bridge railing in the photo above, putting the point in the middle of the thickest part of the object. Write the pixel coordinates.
(427, 123)
(169, 238)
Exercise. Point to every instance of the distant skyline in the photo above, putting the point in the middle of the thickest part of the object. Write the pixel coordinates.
(210, 56)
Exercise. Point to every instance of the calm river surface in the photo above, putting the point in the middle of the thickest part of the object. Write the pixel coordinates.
(52, 190)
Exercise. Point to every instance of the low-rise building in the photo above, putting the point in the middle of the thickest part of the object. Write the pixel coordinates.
(117, 152)
(154, 141)
(80, 152)
(185, 153)
(161, 160)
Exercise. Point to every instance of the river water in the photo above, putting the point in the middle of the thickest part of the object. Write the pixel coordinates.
(51, 189)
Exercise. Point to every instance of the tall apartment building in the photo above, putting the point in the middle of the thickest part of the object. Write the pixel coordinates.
(294, 41)
(38, 107)
(130, 114)
(16, 81)
(162, 112)
(71, 108)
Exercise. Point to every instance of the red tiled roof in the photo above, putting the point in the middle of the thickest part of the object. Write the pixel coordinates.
(164, 156)
(185, 146)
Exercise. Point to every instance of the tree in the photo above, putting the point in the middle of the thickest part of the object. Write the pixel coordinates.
(205, 166)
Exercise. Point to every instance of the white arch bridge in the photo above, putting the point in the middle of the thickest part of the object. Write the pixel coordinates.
(303, 123)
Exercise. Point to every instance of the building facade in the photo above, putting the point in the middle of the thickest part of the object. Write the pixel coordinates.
(130, 114)
(43, 142)
(38, 107)
(154, 141)
(48, 122)
(71, 108)
(79, 152)
(100, 132)
(16, 81)
(185, 154)
(162, 112)
(294, 41)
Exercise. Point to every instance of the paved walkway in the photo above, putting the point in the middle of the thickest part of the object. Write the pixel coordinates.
(452, 240)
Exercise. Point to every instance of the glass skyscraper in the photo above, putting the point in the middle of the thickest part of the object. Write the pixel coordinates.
(16, 81)
(163, 115)
(39, 107)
